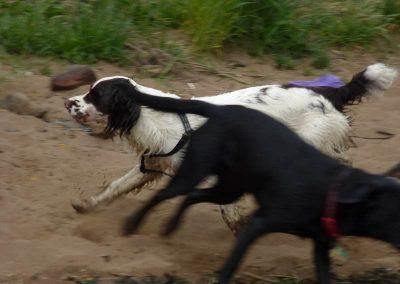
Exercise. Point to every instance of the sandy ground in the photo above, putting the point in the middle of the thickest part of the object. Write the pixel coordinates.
(44, 164)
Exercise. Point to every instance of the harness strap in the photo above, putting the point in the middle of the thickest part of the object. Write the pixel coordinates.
(185, 122)
(185, 137)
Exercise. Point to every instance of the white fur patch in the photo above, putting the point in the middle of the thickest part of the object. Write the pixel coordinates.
(381, 76)
(84, 112)
(113, 77)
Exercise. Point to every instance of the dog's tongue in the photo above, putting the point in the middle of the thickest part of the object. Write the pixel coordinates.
(328, 80)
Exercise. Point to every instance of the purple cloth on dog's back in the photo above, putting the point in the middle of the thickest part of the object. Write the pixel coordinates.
(328, 80)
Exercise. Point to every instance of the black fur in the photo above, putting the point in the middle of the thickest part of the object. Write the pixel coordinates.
(351, 93)
(113, 99)
(251, 152)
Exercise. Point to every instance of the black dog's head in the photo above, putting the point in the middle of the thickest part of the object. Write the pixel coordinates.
(111, 98)
(374, 208)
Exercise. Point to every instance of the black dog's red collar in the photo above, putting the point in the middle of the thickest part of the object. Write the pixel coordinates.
(328, 220)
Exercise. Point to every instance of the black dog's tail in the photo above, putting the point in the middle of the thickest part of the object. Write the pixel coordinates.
(175, 105)
(371, 81)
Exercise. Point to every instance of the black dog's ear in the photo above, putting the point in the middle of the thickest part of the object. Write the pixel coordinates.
(355, 194)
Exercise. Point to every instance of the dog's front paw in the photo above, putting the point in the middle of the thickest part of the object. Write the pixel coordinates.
(82, 205)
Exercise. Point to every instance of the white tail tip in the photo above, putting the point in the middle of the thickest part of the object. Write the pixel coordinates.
(381, 76)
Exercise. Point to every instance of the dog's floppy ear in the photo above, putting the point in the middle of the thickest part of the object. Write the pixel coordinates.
(124, 111)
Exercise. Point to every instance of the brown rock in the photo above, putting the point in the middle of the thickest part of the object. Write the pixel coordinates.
(73, 78)
(20, 104)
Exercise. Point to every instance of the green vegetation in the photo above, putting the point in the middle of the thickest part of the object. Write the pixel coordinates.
(391, 10)
(87, 31)
(81, 33)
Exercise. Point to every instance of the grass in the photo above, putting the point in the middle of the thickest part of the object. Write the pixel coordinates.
(82, 33)
(391, 10)
(320, 60)
(283, 61)
(211, 22)
(45, 70)
(88, 31)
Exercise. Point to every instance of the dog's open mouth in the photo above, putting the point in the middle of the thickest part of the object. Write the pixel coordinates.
(86, 118)
(81, 118)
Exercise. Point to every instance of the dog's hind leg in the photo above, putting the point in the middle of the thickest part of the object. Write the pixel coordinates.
(257, 226)
(213, 195)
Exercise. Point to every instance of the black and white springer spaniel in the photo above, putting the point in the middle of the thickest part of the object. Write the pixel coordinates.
(313, 113)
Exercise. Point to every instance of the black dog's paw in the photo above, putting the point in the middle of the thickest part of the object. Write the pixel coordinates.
(130, 226)
(223, 276)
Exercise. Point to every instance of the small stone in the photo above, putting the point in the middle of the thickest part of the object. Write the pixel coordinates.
(76, 76)
(69, 278)
(11, 130)
(19, 103)
(238, 64)
(106, 257)
(191, 86)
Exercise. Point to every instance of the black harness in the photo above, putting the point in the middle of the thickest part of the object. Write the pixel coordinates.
(185, 137)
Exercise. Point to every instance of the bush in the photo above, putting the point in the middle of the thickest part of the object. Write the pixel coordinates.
(79, 33)
(86, 31)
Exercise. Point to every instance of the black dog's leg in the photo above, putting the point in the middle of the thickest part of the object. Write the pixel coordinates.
(199, 161)
(214, 195)
(257, 226)
(134, 220)
(322, 260)
(177, 187)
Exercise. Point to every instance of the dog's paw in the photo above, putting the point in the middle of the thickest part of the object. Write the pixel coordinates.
(222, 277)
(82, 205)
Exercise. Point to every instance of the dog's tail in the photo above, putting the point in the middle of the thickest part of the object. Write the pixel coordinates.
(168, 104)
(371, 81)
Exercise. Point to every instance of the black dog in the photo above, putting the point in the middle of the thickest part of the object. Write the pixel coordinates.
(299, 190)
